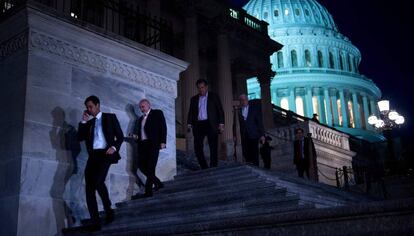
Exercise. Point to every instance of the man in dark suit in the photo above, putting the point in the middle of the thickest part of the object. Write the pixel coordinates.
(151, 134)
(251, 129)
(206, 118)
(103, 137)
(304, 152)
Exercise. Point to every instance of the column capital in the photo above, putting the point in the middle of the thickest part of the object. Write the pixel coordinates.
(265, 76)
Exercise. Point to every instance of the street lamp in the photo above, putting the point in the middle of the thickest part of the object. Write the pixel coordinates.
(387, 120)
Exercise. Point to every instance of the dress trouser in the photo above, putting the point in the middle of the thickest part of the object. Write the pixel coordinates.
(200, 130)
(148, 153)
(95, 174)
(302, 167)
(250, 149)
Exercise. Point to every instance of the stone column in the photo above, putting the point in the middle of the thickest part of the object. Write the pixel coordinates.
(292, 100)
(335, 108)
(192, 74)
(308, 102)
(344, 107)
(225, 84)
(265, 78)
(357, 116)
(366, 112)
(321, 106)
(328, 106)
(374, 108)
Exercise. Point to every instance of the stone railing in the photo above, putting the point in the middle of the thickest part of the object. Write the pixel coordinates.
(319, 132)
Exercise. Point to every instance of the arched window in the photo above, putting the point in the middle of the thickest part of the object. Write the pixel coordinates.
(308, 58)
(294, 58)
(341, 61)
(265, 15)
(284, 103)
(280, 60)
(350, 67)
(299, 106)
(356, 64)
(331, 60)
(320, 59)
(276, 13)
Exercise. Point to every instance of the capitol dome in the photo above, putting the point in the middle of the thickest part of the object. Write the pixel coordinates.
(317, 68)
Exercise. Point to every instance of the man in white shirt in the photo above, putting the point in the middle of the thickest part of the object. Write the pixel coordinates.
(103, 137)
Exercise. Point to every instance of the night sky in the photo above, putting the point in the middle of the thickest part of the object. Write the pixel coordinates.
(382, 31)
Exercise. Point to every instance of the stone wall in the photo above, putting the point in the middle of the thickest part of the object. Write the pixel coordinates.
(48, 67)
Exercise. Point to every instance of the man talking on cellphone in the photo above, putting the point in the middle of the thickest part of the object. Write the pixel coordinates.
(103, 138)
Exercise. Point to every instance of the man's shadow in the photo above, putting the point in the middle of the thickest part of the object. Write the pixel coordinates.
(133, 161)
(63, 138)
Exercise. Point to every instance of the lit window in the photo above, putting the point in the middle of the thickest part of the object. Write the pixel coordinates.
(284, 103)
(276, 13)
(286, 12)
(299, 106)
(338, 104)
(351, 114)
(315, 105)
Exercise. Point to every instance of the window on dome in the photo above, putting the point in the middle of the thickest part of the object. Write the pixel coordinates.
(286, 12)
(320, 59)
(280, 60)
(341, 61)
(351, 114)
(265, 15)
(350, 63)
(331, 60)
(284, 103)
(297, 12)
(306, 12)
(299, 106)
(356, 64)
(276, 13)
(294, 58)
(308, 58)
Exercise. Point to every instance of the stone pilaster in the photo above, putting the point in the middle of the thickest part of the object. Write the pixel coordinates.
(265, 77)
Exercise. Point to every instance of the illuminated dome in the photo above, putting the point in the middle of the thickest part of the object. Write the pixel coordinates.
(317, 68)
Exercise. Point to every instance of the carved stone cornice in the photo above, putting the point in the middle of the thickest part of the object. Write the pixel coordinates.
(13, 45)
(85, 57)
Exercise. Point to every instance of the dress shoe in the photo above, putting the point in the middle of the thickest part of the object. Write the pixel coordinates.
(91, 225)
(158, 186)
(109, 216)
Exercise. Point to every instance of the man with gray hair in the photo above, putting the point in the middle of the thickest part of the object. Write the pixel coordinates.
(251, 129)
(151, 134)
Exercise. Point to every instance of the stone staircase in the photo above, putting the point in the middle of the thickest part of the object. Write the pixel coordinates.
(238, 199)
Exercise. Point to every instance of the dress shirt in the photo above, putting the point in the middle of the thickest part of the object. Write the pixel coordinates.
(99, 141)
(144, 120)
(202, 107)
(245, 112)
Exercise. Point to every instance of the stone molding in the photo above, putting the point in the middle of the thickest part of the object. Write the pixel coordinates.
(84, 57)
(13, 45)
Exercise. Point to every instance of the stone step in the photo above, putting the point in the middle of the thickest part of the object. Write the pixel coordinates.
(225, 195)
(221, 170)
(206, 183)
(162, 213)
(216, 186)
(191, 223)
(199, 199)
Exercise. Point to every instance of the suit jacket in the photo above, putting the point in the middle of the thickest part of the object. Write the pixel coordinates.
(155, 128)
(252, 127)
(111, 130)
(215, 113)
(309, 151)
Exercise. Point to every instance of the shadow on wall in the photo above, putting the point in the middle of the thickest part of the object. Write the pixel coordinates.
(133, 161)
(63, 138)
